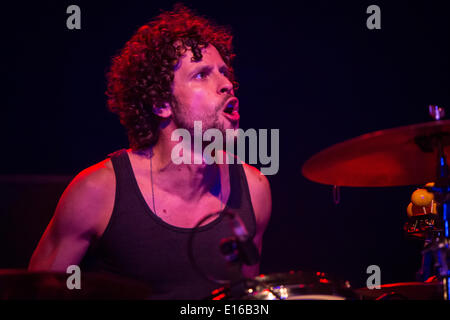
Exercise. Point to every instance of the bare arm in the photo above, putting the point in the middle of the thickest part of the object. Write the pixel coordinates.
(262, 205)
(79, 217)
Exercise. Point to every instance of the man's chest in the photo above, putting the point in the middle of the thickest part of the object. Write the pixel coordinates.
(179, 212)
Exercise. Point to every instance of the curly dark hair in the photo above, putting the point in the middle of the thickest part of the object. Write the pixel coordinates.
(142, 73)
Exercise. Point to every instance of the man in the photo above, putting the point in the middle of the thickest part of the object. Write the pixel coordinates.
(132, 214)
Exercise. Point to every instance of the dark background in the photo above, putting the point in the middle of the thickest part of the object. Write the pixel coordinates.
(311, 69)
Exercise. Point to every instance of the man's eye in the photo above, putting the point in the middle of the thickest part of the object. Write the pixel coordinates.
(200, 75)
(226, 74)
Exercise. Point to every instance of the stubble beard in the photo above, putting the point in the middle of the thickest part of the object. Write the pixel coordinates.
(182, 119)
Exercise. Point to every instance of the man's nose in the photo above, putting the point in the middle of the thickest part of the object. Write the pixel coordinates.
(225, 86)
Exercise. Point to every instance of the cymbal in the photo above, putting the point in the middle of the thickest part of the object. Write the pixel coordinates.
(383, 158)
(403, 291)
(20, 284)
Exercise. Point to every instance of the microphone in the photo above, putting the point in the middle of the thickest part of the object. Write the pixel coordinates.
(248, 251)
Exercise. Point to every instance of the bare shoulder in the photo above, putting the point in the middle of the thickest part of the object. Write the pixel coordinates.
(256, 180)
(260, 193)
(88, 199)
(80, 217)
(96, 181)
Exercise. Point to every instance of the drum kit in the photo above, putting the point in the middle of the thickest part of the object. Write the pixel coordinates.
(413, 155)
(20, 284)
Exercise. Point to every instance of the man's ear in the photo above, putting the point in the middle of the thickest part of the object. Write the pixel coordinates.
(163, 111)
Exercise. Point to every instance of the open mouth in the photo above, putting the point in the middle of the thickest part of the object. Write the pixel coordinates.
(231, 110)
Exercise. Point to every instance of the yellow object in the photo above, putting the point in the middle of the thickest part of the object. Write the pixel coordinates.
(409, 210)
(433, 207)
(422, 198)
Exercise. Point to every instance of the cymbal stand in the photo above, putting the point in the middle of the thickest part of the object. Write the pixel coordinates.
(439, 244)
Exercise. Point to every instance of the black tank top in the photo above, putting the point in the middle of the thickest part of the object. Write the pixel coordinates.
(138, 244)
